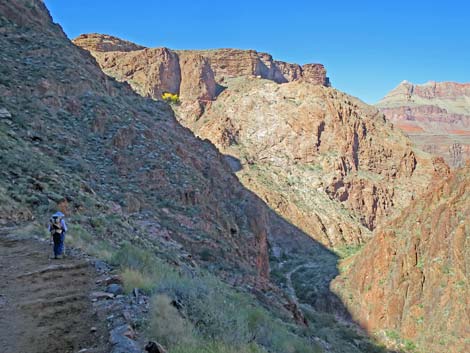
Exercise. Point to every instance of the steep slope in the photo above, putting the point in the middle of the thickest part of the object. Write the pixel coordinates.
(413, 278)
(325, 161)
(135, 184)
(73, 138)
(436, 116)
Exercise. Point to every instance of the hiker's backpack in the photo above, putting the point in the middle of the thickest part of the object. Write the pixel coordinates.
(56, 224)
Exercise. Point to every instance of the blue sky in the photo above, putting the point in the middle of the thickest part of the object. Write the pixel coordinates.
(367, 47)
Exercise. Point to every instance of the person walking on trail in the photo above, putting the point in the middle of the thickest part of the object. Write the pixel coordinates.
(57, 229)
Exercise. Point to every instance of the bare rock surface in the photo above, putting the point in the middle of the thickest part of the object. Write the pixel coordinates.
(413, 277)
(340, 168)
(197, 76)
(324, 160)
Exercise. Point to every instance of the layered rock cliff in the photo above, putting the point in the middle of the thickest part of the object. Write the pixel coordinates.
(413, 279)
(435, 115)
(325, 161)
(340, 168)
(192, 74)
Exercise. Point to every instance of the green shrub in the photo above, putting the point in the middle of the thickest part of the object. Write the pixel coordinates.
(166, 323)
(213, 317)
(78, 237)
(136, 279)
(348, 250)
(129, 256)
(216, 347)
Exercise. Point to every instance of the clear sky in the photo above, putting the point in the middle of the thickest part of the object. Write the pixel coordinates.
(367, 47)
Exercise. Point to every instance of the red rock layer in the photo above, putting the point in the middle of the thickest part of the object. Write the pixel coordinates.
(193, 74)
(414, 276)
(435, 115)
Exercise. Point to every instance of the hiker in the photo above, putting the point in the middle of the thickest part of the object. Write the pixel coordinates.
(57, 229)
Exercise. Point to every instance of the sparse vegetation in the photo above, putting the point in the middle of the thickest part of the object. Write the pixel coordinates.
(170, 97)
(348, 250)
(211, 314)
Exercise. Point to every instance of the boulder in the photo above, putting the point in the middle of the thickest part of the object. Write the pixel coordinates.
(114, 289)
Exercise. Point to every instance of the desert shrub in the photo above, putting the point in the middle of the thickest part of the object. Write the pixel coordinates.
(213, 317)
(136, 279)
(216, 347)
(166, 323)
(78, 237)
(348, 250)
(129, 256)
(170, 97)
(206, 254)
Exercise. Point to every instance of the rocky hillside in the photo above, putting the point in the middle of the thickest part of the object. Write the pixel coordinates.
(325, 161)
(121, 165)
(412, 281)
(142, 190)
(436, 116)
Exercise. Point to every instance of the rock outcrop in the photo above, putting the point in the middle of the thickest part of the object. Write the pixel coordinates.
(327, 162)
(412, 279)
(435, 115)
(332, 137)
(230, 63)
(102, 43)
(195, 75)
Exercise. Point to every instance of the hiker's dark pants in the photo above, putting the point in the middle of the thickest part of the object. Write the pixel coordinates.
(58, 243)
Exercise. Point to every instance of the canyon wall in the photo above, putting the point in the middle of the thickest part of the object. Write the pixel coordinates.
(435, 115)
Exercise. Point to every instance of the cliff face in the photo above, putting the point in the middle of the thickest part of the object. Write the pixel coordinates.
(413, 277)
(193, 74)
(435, 115)
(230, 63)
(74, 139)
(326, 161)
(335, 157)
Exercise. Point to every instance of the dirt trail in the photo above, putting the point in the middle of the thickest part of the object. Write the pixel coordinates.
(290, 286)
(44, 303)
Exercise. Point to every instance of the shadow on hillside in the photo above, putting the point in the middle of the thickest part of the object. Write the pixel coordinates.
(124, 172)
(304, 269)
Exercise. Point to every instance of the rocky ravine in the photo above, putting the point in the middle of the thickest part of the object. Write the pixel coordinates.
(436, 116)
(413, 278)
(124, 171)
(325, 161)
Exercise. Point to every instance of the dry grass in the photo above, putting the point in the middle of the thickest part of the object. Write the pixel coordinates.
(136, 279)
(166, 323)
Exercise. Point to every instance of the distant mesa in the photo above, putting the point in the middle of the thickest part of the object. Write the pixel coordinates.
(436, 116)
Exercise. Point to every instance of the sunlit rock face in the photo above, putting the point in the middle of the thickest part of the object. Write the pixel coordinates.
(435, 115)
